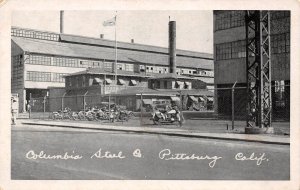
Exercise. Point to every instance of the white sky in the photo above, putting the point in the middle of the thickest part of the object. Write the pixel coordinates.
(194, 28)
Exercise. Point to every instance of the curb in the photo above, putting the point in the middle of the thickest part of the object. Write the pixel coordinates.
(163, 133)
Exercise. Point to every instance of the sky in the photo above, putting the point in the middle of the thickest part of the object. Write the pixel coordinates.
(194, 29)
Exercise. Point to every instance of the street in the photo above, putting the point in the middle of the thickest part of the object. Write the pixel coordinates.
(116, 155)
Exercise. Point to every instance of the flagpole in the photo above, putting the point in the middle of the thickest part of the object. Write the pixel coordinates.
(116, 50)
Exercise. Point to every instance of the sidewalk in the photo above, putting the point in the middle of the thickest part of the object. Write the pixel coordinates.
(268, 139)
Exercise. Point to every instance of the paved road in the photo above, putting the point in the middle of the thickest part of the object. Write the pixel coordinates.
(155, 161)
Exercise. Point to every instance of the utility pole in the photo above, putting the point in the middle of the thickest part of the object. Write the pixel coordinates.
(258, 64)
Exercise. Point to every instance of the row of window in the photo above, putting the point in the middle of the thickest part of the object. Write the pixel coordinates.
(70, 62)
(66, 62)
(107, 66)
(231, 50)
(34, 34)
(280, 43)
(125, 67)
(151, 69)
(279, 14)
(39, 60)
(45, 76)
(231, 19)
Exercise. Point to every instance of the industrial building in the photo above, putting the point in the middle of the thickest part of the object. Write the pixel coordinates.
(40, 59)
(230, 62)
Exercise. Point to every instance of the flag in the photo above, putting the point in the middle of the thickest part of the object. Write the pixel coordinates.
(110, 22)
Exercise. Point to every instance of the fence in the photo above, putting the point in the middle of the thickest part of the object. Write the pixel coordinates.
(227, 104)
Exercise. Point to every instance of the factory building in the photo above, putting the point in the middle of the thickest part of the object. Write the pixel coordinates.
(41, 59)
(230, 62)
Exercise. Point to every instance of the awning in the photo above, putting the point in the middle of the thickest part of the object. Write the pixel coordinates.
(175, 98)
(133, 82)
(97, 80)
(210, 99)
(108, 81)
(201, 99)
(121, 81)
(179, 82)
(193, 98)
(147, 101)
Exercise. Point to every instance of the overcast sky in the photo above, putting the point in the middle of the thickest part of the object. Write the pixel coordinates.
(194, 28)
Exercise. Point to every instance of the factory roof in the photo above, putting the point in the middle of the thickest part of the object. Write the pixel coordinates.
(99, 49)
(131, 46)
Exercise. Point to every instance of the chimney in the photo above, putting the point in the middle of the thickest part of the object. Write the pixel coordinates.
(61, 22)
(172, 46)
(101, 36)
(132, 41)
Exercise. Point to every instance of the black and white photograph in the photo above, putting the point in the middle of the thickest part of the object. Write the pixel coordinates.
(147, 95)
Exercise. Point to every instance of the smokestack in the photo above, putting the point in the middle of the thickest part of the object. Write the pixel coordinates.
(61, 22)
(172, 46)
(132, 41)
(101, 36)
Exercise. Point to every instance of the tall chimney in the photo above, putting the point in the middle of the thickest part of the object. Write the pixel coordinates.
(61, 22)
(172, 46)
(132, 40)
(101, 36)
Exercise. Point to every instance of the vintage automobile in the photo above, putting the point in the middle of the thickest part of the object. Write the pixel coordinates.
(166, 114)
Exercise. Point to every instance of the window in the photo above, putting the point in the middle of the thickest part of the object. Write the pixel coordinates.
(34, 34)
(65, 62)
(238, 49)
(237, 18)
(231, 50)
(280, 43)
(120, 66)
(223, 51)
(149, 69)
(108, 66)
(129, 67)
(58, 77)
(38, 76)
(229, 19)
(280, 14)
(222, 20)
(39, 60)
